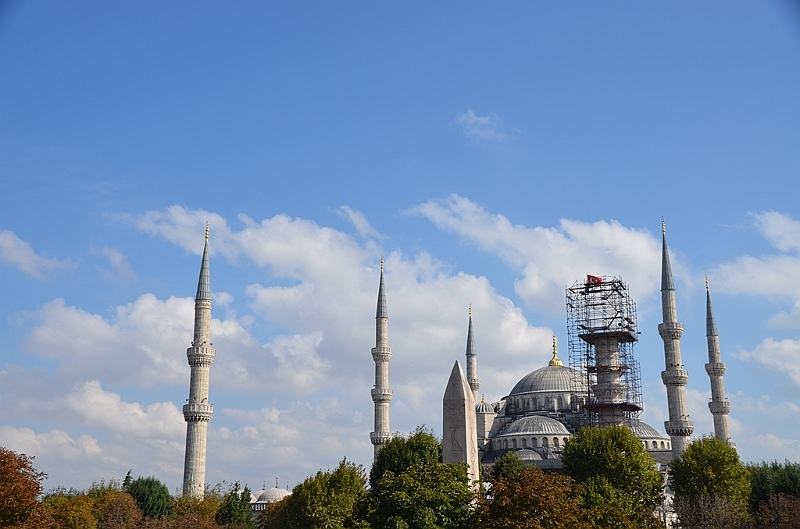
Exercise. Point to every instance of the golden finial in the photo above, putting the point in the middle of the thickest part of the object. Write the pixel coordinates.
(483, 398)
(663, 226)
(706, 283)
(470, 310)
(206, 230)
(276, 483)
(555, 362)
(381, 263)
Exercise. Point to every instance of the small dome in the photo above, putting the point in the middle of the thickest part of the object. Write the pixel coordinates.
(255, 495)
(642, 430)
(272, 495)
(536, 424)
(552, 378)
(483, 407)
(528, 455)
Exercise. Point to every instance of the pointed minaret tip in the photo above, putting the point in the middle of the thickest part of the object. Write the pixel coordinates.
(204, 283)
(666, 268)
(663, 226)
(711, 322)
(555, 362)
(470, 310)
(383, 311)
(206, 230)
(706, 283)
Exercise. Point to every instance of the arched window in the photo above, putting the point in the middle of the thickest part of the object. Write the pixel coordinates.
(560, 402)
(548, 402)
(545, 444)
(505, 444)
(662, 445)
(535, 442)
(565, 440)
(555, 442)
(514, 443)
(524, 443)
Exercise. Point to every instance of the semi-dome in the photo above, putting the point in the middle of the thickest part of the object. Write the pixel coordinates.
(272, 495)
(536, 425)
(526, 454)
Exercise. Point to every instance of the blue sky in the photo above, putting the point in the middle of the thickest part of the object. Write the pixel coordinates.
(493, 153)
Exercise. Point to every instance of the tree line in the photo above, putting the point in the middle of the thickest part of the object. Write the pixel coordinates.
(608, 480)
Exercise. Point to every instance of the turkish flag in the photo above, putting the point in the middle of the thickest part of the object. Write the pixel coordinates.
(593, 280)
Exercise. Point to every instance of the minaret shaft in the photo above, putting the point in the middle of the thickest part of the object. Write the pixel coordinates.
(472, 361)
(198, 411)
(675, 377)
(719, 405)
(381, 354)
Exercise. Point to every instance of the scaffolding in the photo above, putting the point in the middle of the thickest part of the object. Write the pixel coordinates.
(601, 332)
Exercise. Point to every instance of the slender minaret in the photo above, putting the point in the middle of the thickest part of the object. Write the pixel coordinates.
(381, 354)
(198, 411)
(719, 405)
(678, 427)
(472, 361)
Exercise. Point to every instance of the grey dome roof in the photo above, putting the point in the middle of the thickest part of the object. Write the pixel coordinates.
(550, 379)
(484, 407)
(642, 430)
(254, 495)
(527, 454)
(536, 424)
(272, 495)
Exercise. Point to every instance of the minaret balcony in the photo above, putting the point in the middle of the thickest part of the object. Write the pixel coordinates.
(670, 330)
(719, 407)
(680, 428)
(675, 377)
(197, 412)
(200, 355)
(715, 369)
(380, 438)
(381, 354)
(381, 395)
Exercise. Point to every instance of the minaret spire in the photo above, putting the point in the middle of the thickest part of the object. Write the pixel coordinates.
(198, 411)
(719, 405)
(679, 427)
(472, 360)
(381, 354)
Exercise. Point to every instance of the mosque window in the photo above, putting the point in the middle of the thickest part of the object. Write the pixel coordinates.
(545, 442)
(565, 440)
(535, 442)
(555, 442)
(524, 443)
(514, 443)
(560, 403)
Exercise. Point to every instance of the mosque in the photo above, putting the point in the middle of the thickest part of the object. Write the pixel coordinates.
(600, 386)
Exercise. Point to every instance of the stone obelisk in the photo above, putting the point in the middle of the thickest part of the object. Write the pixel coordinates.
(198, 411)
(381, 354)
(460, 434)
(719, 405)
(678, 427)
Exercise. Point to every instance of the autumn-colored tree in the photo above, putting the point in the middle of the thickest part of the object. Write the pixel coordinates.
(71, 511)
(780, 511)
(117, 510)
(399, 453)
(531, 499)
(425, 495)
(710, 512)
(201, 507)
(274, 516)
(20, 485)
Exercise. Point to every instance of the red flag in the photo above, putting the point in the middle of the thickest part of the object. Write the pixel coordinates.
(593, 280)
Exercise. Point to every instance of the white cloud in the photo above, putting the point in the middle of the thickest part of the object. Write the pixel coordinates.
(552, 258)
(779, 229)
(19, 254)
(780, 356)
(54, 443)
(485, 128)
(359, 221)
(120, 267)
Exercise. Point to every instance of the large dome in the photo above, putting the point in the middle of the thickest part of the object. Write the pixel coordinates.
(272, 495)
(642, 430)
(537, 425)
(550, 379)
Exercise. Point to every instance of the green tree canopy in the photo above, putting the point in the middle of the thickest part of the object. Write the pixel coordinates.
(508, 464)
(617, 456)
(327, 500)
(710, 468)
(421, 446)
(424, 496)
(235, 508)
(151, 496)
(769, 479)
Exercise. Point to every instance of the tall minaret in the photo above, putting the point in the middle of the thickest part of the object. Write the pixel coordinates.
(198, 411)
(719, 406)
(472, 361)
(678, 427)
(381, 354)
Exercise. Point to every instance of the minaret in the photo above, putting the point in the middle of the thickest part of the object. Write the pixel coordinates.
(198, 411)
(678, 427)
(719, 406)
(472, 361)
(381, 354)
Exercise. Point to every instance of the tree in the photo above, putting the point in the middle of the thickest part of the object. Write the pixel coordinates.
(780, 511)
(199, 507)
(508, 464)
(531, 499)
(424, 496)
(20, 485)
(327, 499)
(151, 496)
(710, 468)
(399, 453)
(72, 511)
(612, 463)
(769, 479)
(234, 510)
(117, 510)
